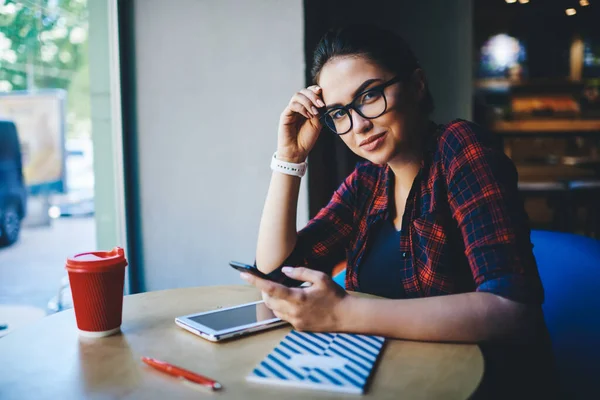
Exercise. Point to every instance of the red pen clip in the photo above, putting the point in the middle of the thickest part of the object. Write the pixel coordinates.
(182, 373)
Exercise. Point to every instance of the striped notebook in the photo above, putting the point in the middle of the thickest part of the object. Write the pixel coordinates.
(328, 361)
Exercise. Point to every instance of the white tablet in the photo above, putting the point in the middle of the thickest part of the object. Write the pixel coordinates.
(229, 322)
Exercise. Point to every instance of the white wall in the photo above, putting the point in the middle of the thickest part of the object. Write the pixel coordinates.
(212, 79)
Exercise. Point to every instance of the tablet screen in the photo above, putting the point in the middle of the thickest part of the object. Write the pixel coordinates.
(227, 319)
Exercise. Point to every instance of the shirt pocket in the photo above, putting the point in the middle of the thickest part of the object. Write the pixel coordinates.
(432, 254)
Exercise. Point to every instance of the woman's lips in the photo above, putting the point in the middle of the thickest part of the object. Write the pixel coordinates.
(373, 142)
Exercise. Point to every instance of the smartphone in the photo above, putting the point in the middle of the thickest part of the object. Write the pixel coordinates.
(249, 269)
(254, 271)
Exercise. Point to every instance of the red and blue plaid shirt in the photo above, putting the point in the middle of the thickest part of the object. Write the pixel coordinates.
(464, 227)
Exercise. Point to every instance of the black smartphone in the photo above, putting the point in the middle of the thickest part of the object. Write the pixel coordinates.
(249, 269)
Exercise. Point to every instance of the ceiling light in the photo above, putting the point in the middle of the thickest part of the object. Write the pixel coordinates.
(511, 1)
(570, 11)
(584, 3)
(523, 1)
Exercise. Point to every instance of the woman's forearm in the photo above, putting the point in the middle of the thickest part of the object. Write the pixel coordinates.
(277, 233)
(469, 317)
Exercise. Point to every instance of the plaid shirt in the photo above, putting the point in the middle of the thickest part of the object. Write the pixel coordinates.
(464, 227)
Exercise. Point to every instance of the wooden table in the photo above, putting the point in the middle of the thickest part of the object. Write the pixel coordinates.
(49, 359)
(16, 316)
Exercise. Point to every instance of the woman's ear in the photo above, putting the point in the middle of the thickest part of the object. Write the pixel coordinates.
(419, 84)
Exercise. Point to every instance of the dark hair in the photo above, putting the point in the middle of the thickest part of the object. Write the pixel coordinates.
(383, 47)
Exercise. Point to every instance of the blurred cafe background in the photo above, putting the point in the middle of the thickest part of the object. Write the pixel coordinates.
(537, 87)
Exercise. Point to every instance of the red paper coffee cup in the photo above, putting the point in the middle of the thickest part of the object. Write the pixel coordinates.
(97, 280)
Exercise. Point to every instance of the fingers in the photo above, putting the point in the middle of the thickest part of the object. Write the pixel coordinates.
(300, 109)
(315, 88)
(272, 289)
(307, 102)
(302, 99)
(282, 315)
(290, 315)
(275, 304)
(314, 97)
(282, 309)
(305, 275)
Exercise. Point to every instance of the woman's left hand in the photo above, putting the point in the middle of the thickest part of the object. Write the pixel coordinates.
(314, 308)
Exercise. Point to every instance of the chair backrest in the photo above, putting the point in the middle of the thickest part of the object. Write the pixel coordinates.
(339, 273)
(569, 267)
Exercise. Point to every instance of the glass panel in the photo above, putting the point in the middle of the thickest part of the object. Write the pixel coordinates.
(45, 96)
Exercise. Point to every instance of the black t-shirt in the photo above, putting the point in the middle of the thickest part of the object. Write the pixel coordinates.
(379, 271)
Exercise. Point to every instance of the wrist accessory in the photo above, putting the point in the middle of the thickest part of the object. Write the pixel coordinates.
(287, 167)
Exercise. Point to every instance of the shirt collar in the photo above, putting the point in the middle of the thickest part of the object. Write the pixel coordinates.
(382, 193)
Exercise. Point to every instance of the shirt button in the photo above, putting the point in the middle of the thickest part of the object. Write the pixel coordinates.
(404, 254)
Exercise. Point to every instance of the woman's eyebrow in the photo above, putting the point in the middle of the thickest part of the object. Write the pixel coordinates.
(358, 90)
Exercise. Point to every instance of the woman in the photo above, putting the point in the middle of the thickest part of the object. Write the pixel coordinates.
(432, 221)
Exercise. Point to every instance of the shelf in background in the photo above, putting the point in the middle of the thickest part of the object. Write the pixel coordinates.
(550, 127)
(552, 173)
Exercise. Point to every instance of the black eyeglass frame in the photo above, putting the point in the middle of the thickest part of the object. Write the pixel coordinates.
(351, 105)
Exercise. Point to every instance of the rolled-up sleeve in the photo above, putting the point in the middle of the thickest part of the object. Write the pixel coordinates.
(484, 200)
(324, 240)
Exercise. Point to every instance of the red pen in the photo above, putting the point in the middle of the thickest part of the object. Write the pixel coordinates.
(182, 373)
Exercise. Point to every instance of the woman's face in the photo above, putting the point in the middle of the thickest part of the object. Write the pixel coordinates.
(382, 139)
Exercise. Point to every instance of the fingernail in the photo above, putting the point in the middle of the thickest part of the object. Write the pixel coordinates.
(320, 103)
(287, 270)
(314, 110)
(244, 276)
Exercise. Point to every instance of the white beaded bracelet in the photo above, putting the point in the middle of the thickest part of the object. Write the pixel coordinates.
(287, 167)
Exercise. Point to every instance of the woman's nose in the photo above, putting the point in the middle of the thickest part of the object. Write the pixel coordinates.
(360, 124)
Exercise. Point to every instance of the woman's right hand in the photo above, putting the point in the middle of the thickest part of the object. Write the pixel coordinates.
(299, 125)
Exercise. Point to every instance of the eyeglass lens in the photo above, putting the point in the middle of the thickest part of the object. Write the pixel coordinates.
(370, 104)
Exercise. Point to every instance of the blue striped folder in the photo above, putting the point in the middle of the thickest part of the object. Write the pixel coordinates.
(329, 361)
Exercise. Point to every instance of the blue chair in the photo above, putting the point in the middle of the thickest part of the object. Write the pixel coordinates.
(569, 267)
(339, 277)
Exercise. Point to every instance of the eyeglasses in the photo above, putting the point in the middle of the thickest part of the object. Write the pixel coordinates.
(369, 104)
